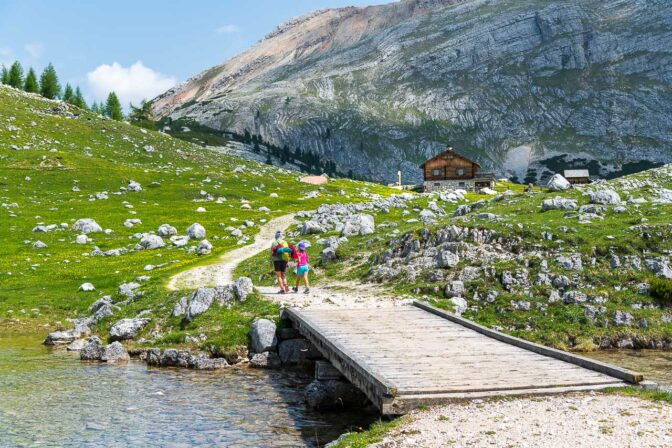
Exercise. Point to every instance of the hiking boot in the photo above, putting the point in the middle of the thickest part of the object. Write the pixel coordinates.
(282, 291)
(295, 289)
(306, 291)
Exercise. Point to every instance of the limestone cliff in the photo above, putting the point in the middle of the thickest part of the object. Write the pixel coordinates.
(513, 84)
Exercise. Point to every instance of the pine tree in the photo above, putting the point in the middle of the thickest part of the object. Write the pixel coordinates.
(68, 94)
(113, 107)
(16, 75)
(49, 86)
(31, 85)
(4, 75)
(78, 99)
(94, 108)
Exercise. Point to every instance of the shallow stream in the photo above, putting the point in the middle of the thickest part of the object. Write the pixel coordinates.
(50, 398)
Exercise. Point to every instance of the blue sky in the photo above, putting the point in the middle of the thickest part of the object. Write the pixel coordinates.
(98, 44)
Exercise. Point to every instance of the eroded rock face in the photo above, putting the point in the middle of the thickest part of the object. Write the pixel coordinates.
(331, 80)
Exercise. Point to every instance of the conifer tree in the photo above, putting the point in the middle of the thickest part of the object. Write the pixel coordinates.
(94, 107)
(78, 99)
(68, 94)
(30, 84)
(4, 75)
(113, 107)
(49, 86)
(16, 75)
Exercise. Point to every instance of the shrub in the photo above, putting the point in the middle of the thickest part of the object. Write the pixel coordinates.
(661, 290)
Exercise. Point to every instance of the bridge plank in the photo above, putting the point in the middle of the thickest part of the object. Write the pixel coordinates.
(417, 352)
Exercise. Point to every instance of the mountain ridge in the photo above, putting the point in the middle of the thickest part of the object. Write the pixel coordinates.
(523, 88)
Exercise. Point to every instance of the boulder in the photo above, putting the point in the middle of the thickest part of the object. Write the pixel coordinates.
(447, 259)
(622, 318)
(87, 287)
(604, 197)
(39, 245)
(128, 289)
(92, 350)
(149, 241)
(204, 247)
(360, 224)
(61, 337)
(179, 241)
(558, 203)
(459, 305)
(114, 353)
(200, 302)
(297, 351)
(196, 231)
(262, 336)
(242, 288)
(558, 183)
(265, 360)
(166, 230)
(134, 186)
(127, 328)
(311, 227)
(86, 226)
(180, 307)
(203, 363)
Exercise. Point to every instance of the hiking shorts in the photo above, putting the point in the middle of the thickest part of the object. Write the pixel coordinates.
(280, 265)
(302, 269)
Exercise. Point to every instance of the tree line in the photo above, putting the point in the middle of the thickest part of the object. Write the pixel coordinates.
(49, 87)
(309, 159)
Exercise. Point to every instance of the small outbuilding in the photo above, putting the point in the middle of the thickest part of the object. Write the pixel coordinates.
(577, 177)
(452, 170)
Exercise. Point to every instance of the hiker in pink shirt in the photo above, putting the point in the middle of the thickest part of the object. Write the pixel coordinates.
(302, 268)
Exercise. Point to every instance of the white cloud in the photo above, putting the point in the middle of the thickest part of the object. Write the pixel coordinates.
(34, 49)
(131, 84)
(227, 29)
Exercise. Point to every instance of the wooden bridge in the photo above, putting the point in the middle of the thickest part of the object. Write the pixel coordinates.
(411, 356)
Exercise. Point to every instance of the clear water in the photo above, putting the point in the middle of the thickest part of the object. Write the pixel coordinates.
(655, 365)
(50, 398)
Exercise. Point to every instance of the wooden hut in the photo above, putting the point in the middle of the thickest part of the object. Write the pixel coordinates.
(577, 177)
(450, 170)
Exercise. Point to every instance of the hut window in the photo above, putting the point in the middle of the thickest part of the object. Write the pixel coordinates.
(436, 172)
(460, 171)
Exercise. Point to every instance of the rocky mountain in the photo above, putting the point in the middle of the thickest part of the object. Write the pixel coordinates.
(524, 87)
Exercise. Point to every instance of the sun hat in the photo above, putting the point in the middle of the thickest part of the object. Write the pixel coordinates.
(302, 245)
(278, 234)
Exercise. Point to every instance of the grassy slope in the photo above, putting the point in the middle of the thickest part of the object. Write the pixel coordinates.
(40, 286)
(558, 325)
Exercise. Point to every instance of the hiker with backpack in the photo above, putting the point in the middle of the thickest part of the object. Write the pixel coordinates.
(302, 268)
(280, 256)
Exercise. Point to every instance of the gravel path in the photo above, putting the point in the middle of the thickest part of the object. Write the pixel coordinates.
(221, 273)
(577, 420)
(336, 295)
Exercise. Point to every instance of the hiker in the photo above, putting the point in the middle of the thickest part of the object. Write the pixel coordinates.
(280, 255)
(302, 268)
(530, 188)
